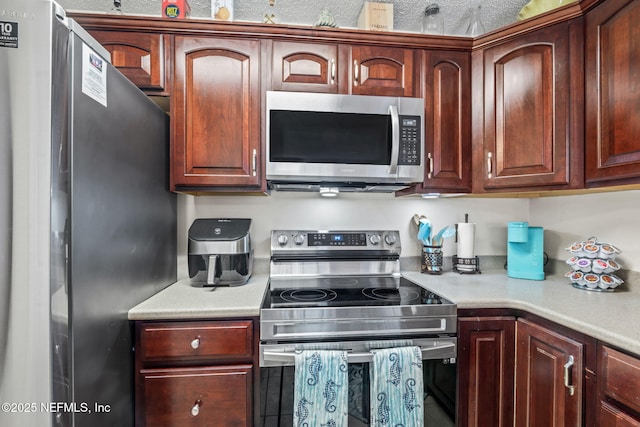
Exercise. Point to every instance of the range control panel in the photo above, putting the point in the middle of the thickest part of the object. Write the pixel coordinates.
(308, 241)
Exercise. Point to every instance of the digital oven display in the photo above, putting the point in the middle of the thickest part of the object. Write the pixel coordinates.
(337, 239)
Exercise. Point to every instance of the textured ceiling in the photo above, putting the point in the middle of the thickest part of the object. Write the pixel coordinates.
(407, 13)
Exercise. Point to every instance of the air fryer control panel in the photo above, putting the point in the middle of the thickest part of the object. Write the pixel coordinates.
(409, 153)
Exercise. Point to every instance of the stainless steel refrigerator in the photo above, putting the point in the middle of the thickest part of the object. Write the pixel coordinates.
(87, 224)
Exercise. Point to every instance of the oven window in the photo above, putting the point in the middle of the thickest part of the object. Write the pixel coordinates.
(276, 395)
(320, 137)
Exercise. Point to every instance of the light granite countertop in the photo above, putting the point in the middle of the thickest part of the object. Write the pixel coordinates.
(612, 317)
(182, 301)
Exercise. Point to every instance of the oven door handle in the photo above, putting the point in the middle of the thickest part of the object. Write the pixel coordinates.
(353, 357)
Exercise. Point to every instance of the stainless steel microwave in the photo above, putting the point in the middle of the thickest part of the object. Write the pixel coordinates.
(350, 141)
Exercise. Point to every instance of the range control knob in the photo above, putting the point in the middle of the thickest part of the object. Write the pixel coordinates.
(374, 239)
(390, 239)
(282, 239)
(298, 239)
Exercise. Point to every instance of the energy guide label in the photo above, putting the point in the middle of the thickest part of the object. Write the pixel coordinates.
(8, 34)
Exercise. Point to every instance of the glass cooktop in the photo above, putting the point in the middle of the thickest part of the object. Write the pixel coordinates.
(350, 291)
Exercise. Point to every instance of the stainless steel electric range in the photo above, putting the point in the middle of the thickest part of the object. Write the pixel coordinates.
(344, 290)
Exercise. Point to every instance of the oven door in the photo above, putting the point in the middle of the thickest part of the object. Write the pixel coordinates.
(277, 378)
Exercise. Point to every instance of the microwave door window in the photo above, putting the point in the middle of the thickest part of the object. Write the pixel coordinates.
(336, 138)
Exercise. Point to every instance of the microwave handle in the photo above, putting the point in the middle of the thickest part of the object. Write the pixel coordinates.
(395, 139)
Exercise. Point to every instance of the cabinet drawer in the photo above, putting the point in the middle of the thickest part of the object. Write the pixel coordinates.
(621, 377)
(613, 417)
(212, 396)
(196, 341)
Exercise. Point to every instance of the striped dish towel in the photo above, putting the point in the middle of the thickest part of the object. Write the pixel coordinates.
(397, 387)
(321, 389)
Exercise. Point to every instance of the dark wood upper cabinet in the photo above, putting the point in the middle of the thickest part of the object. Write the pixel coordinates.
(340, 68)
(216, 114)
(383, 71)
(549, 377)
(447, 95)
(139, 56)
(612, 72)
(306, 67)
(527, 111)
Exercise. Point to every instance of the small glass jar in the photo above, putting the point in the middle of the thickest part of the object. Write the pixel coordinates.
(432, 22)
(476, 27)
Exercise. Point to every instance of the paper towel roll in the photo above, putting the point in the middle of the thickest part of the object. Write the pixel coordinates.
(466, 236)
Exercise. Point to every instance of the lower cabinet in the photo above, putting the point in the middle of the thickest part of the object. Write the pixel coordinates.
(486, 354)
(513, 371)
(548, 381)
(191, 374)
(619, 390)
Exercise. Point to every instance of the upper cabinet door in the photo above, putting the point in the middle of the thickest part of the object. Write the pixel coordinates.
(531, 118)
(305, 67)
(383, 71)
(215, 105)
(447, 95)
(612, 64)
(139, 56)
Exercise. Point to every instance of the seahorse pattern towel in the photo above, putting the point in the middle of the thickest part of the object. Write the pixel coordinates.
(321, 389)
(397, 387)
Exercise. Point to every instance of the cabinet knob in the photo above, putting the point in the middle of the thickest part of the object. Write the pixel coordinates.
(195, 409)
(567, 374)
(195, 344)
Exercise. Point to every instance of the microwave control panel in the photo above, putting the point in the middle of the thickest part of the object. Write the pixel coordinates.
(410, 139)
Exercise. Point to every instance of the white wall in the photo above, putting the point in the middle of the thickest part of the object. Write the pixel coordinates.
(354, 211)
(611, 217)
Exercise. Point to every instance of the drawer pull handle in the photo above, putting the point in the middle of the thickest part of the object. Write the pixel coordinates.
(195, 410)
(489, 165)
(430, 172)
(195, 344)
(567, 369)
(333, 70)
(355, 73)
(254, 163)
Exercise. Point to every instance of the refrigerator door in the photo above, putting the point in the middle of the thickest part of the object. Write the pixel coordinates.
(120, 232)
(25, 129)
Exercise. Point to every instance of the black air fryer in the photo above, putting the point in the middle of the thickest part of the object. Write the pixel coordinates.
(220, 252)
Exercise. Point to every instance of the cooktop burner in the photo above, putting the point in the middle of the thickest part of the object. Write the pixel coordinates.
(349, 292)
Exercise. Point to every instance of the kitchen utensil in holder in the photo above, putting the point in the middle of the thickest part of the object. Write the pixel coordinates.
(431, 259)
(466, 265)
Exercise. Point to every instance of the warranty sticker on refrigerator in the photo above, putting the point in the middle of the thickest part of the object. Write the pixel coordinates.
(94, 75)
(9, 34)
